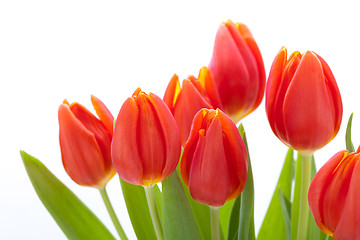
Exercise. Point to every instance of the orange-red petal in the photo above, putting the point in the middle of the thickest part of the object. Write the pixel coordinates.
(307, 112)
(82, 157)
(104, 114)
(125, 159)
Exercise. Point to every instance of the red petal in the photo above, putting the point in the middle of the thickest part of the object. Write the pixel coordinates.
(333, 206)
(334, 93)
(172, 92)
(246, 34)
(318, 187)
(190, 145)
(307, 110)
(81, 155)
(288, 73)
(171, 135)
(124, 148)
(231, 74)
(272, 87)
(237, 158)
(208, 180)
(349, 224)
(102, 135)
(207, 81)
(248, 57)
(104, 114)
(191, 102)
(150, 141)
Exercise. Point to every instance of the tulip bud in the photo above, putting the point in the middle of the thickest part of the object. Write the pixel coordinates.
(85, 143)
(334, 194)
(214, 161)
(146, 144)
(185, 102)
(303, 102)
(238, 70)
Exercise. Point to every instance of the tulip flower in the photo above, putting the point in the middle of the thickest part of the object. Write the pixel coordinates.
(185, 102)
(334, 195)
(304, 108)
(303, 102)
(146, 144)
(238, 70)
(85, 143)
(214, 162)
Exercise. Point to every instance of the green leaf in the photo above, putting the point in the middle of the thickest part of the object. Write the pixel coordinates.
(224, 217)
(246, 223)
(234, 220)
(138, 210)
(274, 226)
(70, 213)
(201, 213)
(349, 144)
(179, 221)
(286, 210)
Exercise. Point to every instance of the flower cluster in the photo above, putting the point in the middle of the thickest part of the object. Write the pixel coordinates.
(193, 128)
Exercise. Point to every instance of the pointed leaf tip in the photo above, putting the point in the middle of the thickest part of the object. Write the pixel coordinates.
(348, 142)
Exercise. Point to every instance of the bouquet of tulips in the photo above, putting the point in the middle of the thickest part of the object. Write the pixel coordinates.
(192, 142)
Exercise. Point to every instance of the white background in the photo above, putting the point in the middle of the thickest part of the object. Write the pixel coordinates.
(51, 50)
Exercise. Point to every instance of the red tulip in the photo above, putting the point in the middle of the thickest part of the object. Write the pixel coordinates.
(85, 143)
(303, 102)
(334, 194)
(146, 145)
(214, 161)
(238, 70)
(185, 102)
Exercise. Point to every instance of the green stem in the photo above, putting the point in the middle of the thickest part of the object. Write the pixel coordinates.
(112, 214)
(304, 206)
(215, 223)
(150, 197)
